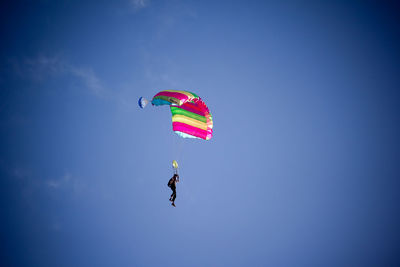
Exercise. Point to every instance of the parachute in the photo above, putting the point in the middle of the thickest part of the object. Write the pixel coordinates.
(190, 115)
(142, 102)
(174, 164)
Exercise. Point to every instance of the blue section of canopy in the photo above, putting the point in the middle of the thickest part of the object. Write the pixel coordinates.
(160, 102)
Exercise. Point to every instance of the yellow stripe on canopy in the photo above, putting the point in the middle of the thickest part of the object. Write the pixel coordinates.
(190, 121)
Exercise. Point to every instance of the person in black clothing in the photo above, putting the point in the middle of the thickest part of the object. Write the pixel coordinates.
(172, 184)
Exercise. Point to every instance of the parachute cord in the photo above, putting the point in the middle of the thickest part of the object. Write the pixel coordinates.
(180, 146)
(177, 152)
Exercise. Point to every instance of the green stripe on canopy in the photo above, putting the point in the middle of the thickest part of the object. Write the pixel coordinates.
(176, 110)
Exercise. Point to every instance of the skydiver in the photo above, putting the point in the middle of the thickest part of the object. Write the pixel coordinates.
(172, 184)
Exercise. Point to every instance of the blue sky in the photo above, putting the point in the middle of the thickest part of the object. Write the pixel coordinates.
(302, 169)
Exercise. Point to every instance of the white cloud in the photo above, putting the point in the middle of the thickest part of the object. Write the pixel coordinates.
(138, 4)
(58, 183)
(53, 183)
(89, 78)
(20, 173)
(38, 68)
(67, 184)
(44, 67)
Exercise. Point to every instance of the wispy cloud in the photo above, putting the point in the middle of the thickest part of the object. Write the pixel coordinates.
(66, 183)
(58, 183)
(20, 173)
(139, 4)
(89, 78)
(32, 182)
(43, 67)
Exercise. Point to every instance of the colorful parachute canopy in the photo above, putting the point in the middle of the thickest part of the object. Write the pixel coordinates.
(190, 115)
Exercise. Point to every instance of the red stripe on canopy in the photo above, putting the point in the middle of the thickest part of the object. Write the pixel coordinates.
(197, 132)
(190, 108)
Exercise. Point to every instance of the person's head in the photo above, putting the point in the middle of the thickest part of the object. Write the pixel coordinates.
(175, 175)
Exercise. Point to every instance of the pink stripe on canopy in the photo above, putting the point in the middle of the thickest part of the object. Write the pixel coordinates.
(192, 108)
(180, 96)
(185, 128)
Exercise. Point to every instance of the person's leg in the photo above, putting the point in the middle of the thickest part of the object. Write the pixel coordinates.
(173, 198)
(173, 188)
